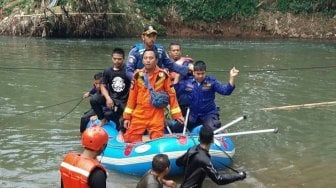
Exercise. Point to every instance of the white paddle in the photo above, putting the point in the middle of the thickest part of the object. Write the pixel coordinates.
(248, 132)
(186, 122)
(229, 124)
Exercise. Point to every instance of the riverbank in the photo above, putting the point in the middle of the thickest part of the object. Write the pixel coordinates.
(264, 25)
(60, 22)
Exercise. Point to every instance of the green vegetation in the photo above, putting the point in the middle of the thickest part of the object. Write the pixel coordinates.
(206, 10)
(9, 5)
(211, 10)
(62, 2)
(307, 6)
(215, 10)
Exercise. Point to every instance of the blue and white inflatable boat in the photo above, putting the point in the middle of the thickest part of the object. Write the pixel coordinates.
(136, 158)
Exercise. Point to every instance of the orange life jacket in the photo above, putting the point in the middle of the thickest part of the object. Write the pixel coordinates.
(75, 170)
(139, 97)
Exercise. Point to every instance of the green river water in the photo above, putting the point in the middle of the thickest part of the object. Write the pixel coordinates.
(36, 73)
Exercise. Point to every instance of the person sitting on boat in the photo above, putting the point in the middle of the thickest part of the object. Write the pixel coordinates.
(200, 91)
(84, 170)
(134, 60)
(197, 164)
(114, 94)
(154, 178)
(97, 83)
(175, 53)
(144, 111)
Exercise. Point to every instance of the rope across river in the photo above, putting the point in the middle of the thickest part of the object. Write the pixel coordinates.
(241, 70)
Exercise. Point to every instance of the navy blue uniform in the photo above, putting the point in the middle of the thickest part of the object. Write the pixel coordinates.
(200, 97)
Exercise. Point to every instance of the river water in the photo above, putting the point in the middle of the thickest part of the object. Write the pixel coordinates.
(37, 73)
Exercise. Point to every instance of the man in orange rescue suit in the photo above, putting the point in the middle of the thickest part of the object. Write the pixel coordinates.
(140, 114)
(83, 170)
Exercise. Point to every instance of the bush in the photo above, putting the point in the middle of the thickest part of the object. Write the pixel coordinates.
(214, 10)
(211, 10)
(307, 6)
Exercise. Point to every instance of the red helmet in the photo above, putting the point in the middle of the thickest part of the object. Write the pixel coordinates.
(94, 138)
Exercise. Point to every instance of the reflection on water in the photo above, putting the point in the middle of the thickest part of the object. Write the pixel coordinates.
(49, 72)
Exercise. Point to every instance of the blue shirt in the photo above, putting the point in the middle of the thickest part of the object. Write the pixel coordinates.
(201, 96)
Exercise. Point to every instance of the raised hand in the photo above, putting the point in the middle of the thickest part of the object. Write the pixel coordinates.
(234, 72)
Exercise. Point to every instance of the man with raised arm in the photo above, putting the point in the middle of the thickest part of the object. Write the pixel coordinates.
(200, 92)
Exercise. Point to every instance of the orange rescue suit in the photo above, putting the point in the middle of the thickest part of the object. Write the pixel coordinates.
(75, 170)
(139, 110)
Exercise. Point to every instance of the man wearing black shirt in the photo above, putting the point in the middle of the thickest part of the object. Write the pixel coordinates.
(115, 93)
(198, 165)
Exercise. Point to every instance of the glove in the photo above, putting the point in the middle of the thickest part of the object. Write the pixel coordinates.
(242, 175)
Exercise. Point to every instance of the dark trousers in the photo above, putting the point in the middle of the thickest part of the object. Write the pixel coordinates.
(184, 110)
(211, 120)
(85, 120)
(98, 104)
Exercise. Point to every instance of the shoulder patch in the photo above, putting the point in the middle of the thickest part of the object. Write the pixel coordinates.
(131, 59)
(172, 89)
(161, 74)
(138, 74)
(189, 87)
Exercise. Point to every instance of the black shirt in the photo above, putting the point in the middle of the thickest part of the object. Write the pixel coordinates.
(197, 165)
(117, 84)
(97, 179)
